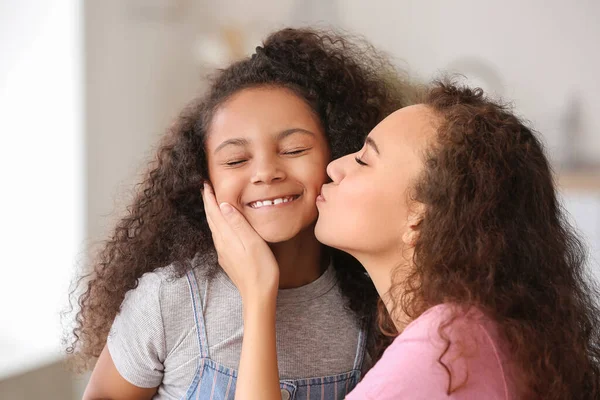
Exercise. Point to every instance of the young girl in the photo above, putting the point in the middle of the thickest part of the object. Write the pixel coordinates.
(263, 135)
(452, 210)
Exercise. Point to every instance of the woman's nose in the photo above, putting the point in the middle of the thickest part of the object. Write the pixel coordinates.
(336, 170)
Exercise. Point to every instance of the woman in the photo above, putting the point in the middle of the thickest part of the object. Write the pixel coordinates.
(451, 208)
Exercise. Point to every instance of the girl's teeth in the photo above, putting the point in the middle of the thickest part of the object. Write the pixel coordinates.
(273, 202)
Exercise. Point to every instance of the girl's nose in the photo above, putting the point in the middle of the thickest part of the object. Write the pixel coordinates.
(267, 171)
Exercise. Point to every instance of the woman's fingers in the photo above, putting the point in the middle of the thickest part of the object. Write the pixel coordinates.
(213, 213)
(220, 226)
(243, 254)
(226, 220)
(239, 225)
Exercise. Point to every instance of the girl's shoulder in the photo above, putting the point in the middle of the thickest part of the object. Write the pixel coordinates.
(150, 299)
(171, 291)
(156, 283)
(171, 281)
(152, 321)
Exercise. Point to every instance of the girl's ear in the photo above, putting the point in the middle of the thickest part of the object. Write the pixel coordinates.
(415, 216)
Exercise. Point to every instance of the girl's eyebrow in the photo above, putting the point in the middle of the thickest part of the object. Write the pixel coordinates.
(291, 131)
(245, 142)
(232, 142)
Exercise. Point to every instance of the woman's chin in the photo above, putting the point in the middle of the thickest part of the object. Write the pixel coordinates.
(322, 234)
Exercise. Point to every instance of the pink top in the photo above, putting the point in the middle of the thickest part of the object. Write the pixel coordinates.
(409, 368)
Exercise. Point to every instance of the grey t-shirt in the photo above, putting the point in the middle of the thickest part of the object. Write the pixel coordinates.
(153, 339)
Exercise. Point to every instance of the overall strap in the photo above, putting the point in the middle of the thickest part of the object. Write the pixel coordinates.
(198, 313)
(361, 346)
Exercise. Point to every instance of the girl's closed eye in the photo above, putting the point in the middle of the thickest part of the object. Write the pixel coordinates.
(297, 151)
(234, 162)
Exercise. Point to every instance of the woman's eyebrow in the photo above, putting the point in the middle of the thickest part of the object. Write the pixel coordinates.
(232, 142)
(370, 142)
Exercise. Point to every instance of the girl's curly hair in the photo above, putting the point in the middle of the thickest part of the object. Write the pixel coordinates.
(349, 85)
(495, 236)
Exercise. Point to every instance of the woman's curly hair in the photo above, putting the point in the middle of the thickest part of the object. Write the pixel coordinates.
(349, 85)
(494, 236)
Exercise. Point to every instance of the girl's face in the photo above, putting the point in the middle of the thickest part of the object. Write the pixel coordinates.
(366, 209)
(267, 155)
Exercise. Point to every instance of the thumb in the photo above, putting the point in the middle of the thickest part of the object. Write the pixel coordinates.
(226, 209)
(237, 222)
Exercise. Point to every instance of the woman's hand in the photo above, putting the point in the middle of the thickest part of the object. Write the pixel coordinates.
(243, 254)
(250, 264)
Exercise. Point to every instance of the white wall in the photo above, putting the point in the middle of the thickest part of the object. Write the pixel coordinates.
(543, 54)
(584, 208)
(139, 72)
(41, 170)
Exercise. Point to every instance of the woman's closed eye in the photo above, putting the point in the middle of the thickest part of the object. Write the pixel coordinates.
(359, 161)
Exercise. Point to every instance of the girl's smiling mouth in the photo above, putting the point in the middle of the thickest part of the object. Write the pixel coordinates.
(274, 201)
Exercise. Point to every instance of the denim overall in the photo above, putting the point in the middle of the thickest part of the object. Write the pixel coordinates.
(213, 381)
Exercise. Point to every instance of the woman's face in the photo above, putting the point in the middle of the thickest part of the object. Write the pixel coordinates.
(267, 155)
(366, 207)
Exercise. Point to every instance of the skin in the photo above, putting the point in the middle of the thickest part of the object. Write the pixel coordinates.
(373, 187)
(107, 383)
(381, 234)
(267, 143)
(263, 143)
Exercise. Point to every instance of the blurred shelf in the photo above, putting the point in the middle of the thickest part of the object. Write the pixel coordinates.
(580, 180)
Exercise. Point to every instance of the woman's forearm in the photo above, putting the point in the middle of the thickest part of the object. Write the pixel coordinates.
(258, 375)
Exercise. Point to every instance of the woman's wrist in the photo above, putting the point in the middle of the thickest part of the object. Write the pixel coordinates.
(260, 291)
(259, 302)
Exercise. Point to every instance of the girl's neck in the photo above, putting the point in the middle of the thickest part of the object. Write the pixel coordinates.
(301, 259)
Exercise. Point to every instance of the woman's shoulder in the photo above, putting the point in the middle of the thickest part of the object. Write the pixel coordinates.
(448, 346)
(450, 321)
(451, 331)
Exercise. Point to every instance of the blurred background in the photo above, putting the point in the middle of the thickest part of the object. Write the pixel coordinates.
(87, 88)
